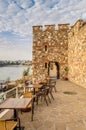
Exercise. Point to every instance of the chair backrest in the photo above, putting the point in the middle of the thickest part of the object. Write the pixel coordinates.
(53, 82)
(53, 77)
(7, 125)
(28, 95)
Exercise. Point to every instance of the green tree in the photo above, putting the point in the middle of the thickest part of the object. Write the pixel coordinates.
(26, 72)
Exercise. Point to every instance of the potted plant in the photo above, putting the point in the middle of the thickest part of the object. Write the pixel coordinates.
(65, 77)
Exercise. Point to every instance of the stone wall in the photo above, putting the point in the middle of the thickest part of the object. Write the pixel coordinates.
(49, 45)
(77, 53)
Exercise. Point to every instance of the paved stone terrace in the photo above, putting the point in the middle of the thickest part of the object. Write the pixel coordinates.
(66, 112)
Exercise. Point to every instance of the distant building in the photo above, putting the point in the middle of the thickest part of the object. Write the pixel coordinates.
(61, 52)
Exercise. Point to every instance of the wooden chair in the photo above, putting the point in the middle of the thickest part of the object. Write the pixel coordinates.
(28, 95)
(44, 94)
(50, 90)
(52, 82)
(31, 105)
(8, 124)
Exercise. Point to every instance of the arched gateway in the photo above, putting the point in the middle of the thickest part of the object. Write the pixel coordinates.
(54, 69)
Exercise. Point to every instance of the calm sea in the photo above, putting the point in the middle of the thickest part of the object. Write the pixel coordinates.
(13, 72)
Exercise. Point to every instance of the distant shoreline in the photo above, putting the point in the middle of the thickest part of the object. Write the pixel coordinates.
(8, 65)
(12, 65)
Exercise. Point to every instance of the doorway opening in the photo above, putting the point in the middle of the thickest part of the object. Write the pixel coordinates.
(54, 69)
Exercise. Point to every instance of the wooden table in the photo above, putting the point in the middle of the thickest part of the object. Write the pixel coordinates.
(16, 104)
(34, 86)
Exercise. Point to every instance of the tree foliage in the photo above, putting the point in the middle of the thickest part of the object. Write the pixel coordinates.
(26, 72)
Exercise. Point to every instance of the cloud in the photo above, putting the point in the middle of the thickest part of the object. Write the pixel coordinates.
(3, 6)
(20, 50)
(21, 15)
(18, 16)
(26, 4)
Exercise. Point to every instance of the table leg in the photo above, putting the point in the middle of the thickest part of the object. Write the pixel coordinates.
(32, 110)
(15, 114)
(34, 91)
(34, 94)
(16, 118)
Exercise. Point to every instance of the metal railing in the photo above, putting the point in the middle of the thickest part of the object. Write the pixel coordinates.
(15, 92)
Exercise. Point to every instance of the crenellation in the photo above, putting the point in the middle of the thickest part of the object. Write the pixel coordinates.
(63, 26)
(50, 27)
(37, 28)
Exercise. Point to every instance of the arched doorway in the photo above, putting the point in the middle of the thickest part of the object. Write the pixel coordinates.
(54, 69)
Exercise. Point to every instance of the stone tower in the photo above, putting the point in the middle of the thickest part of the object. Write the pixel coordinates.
(50, 51)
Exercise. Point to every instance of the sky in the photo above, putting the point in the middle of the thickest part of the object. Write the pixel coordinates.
(18, 16)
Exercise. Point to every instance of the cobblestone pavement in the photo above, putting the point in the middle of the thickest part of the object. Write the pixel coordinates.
(66, 112)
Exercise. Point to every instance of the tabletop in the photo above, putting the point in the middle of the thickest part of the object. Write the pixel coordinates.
(35, 85)
(15, 103)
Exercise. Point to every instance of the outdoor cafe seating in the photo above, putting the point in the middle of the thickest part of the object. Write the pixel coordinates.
(15, 104)
(45, 93)
(31, 105)
(40, 91)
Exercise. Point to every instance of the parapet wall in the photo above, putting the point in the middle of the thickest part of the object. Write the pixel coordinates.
(63, 26)
(51, 27)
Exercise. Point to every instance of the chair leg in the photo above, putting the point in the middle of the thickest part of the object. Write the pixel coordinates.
(37, 100)
(32, 113)
(55, 89)
(46, 100)
(41, 98)
(52, 96)
(19, 124)
(49, 98)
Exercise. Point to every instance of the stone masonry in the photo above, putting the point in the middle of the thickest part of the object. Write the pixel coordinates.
(77, 53)
(64, 47)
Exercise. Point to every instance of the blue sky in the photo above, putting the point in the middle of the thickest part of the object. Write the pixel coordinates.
(18, 16)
